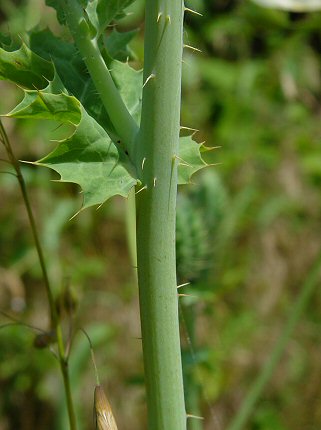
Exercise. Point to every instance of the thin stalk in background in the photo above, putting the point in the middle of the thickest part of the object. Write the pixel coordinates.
(55, 322)
(188, 315)
(157, 149)
(298, 308)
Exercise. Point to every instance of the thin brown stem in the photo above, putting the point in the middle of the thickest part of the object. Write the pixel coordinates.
(55, 321)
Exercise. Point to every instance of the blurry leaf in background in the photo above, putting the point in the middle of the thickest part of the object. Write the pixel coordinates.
(291, 5)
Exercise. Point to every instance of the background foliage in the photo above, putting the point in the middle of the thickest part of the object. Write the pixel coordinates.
(248, 232)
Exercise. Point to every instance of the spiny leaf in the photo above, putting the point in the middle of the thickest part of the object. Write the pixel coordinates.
(25, 68)
(89, 158)
(116, 44)
(129, 83)
(41, 105)
(190, 159)
(103, 12)
(73, 73)
(49, 102)
(9, 43)
(66, 58)
(99, 12)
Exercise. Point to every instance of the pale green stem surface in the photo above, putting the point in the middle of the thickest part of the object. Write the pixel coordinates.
(53, 312)
(131, 227)
(124, 124)
(257, 389)
(157, 147)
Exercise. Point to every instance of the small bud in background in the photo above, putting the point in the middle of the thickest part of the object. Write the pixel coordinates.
(104, 416)
(43, 340)
(67, 301)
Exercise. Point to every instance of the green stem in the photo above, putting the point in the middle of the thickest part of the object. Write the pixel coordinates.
(192, 389)
(256, 391)
(123, 122)
(157, 147)
(131, 227)
(55, 322)
(63, 361)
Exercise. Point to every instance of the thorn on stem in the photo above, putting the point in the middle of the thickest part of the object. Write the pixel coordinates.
(151, 76)
(187, 9)
(188, 128)
(159, 16)
(183, 285)
(194, 416)
(142, 189)
(154, 182)
(191, 47)
(143, 162)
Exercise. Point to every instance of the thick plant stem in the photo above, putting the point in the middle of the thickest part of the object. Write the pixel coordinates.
(55, 322)
(157, 148)
(239, 421)
(124, 124)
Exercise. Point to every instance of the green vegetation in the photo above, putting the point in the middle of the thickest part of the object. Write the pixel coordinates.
(247, 234)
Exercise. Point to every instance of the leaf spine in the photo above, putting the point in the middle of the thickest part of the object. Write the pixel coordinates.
(183, 162)
(76, 214)
(209, 148)
(99, 206)
(213, 164)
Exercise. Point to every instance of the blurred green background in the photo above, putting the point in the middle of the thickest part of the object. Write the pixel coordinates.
(248, 232)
